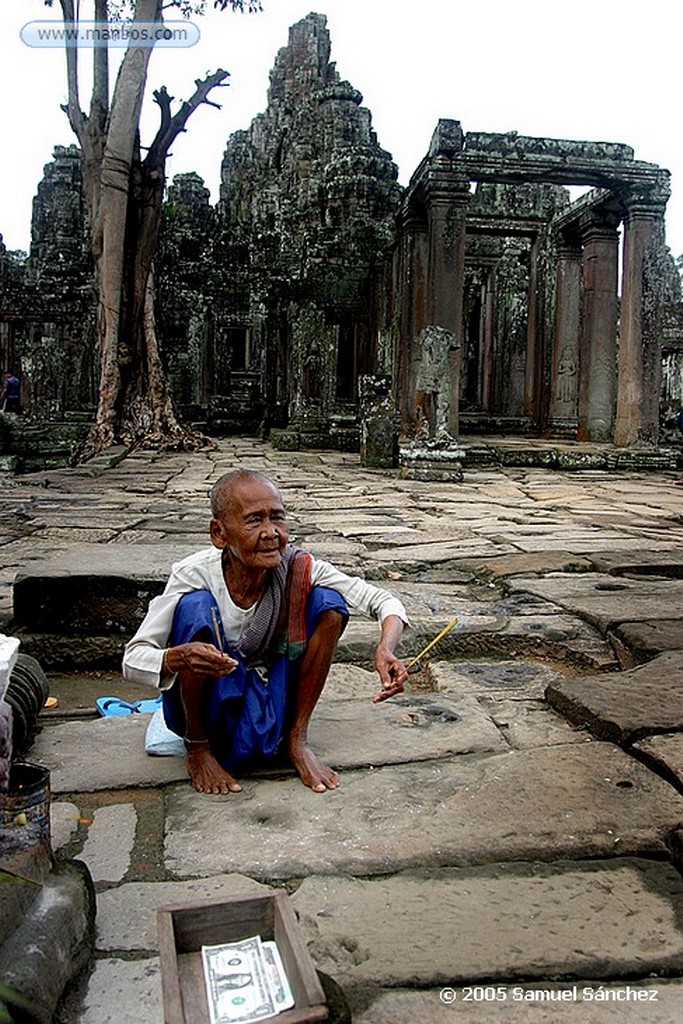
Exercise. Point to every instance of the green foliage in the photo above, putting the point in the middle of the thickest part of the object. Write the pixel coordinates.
(8, 995)
(9, 877)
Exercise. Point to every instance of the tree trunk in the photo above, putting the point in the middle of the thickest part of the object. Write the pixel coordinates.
(124, 196)
(114, 245)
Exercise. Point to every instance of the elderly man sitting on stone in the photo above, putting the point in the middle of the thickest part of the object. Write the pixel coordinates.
(242, 639)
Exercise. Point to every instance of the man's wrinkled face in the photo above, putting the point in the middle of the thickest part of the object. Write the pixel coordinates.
(254, 528)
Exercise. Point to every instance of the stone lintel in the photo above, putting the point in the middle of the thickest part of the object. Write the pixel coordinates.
(512, 144)
(533, 167)
(597, 199)
(495, 224)
(444, 187)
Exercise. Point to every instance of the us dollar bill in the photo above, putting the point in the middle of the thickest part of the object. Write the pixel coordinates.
(277, 979)
(237, 985)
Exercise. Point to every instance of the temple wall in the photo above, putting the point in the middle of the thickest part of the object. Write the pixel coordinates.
(316, 269)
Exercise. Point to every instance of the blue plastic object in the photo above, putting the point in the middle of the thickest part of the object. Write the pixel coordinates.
(113, 706)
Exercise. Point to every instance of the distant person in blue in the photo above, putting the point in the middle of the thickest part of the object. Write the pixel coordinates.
(241, 640)
(11, 393)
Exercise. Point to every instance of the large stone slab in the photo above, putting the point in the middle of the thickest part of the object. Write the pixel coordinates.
(606, 602)
(102, 753)
(667, 563)
(107, 860)
(559, 920)
(121, 990)
(524, 625)
(665, 755)
(126, 915)
(519, 678)
(540, 1002)
(522, 563)
(412, 727)
(578, 800)
(531, 723)
(94, 588)
(416, 554)
(625, 706)
(645, 639)
(108, 753)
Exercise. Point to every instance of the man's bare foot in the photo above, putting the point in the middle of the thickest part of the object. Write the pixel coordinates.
(312, 771)
(206, 775)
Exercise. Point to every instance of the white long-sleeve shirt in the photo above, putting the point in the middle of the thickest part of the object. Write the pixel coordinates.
(143, 655)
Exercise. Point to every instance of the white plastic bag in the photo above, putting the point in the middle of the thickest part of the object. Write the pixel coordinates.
(159, 740)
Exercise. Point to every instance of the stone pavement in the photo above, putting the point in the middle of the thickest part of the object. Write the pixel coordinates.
(507, 841)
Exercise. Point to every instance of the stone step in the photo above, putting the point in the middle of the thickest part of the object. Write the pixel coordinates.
(430, 947)
(627, 706)
(500, 922)
(566, 801)
(349, 734)
(583, 1001)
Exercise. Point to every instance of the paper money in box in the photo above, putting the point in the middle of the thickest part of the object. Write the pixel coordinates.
(184, 928)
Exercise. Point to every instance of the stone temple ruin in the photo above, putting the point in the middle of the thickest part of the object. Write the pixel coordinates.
(324, 305)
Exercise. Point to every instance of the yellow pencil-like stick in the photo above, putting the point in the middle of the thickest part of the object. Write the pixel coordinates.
(216, 630)
(431, 643)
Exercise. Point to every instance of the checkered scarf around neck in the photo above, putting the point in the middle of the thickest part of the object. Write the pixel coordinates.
(278, 625)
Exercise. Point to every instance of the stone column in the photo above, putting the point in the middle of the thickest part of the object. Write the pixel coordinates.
(487, 320)
(378, 422)
(414, 262)
(533, 361)
(637, 419)
(597, 390)
(447, 201)
(564, 397)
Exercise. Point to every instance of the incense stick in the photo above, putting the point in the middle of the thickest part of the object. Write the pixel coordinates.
(216, 630)
(431, 643)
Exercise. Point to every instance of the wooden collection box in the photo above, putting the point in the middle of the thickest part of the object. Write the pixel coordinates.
(183, 929)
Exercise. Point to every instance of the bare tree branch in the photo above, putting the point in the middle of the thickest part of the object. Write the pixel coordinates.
(162, 98)
(171, 127)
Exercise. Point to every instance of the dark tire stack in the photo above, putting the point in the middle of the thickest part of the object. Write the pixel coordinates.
(26, 694)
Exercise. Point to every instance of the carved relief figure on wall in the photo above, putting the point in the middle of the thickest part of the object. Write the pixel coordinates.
(433, 386)
(312, 372)
(565, 389)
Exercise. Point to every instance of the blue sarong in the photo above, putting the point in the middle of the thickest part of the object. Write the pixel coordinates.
(245, 711)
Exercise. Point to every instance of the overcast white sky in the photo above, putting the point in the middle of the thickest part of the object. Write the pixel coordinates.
(598, 70)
